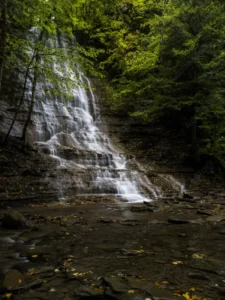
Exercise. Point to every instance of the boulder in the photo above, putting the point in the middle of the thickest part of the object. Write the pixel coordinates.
(13, 279)
(116, 284)
(14, 220)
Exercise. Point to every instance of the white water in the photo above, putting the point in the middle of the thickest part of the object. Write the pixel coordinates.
(70, 132)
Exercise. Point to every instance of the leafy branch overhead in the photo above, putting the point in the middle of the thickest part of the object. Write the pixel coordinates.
(165, 60)
(162, 59)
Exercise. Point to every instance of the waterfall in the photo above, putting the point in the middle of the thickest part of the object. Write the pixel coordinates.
(69, 131)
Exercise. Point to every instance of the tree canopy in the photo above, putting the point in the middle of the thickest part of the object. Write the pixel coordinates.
(163, 59)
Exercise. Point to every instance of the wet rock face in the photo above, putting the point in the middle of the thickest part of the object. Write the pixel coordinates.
(158, 147)
(25, 175)
(8, 109)
(71, 133)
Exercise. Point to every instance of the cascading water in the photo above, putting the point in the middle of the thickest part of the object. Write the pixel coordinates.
(69, 130)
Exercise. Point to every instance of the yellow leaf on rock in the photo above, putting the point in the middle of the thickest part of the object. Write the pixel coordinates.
(198, 256)
(31, 271)
(186, 296)
(8, 295)
(160, 283)
(178, 262)
(131, 292)
(190, 296)
(19, 281)
(139, 251)
(34, 256)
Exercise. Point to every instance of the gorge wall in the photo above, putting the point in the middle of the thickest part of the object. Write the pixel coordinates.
(67, 130)
(69, 151)
(163, 150)
(68, 154)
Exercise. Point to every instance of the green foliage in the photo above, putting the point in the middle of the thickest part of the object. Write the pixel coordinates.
(28, 17)
(163, 59)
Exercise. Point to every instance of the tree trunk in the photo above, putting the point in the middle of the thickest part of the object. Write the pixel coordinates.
(3, 38)
(162, 28)
(34, 84)
(194, 141)
(21, 99)
(194, 136)
(34, 56)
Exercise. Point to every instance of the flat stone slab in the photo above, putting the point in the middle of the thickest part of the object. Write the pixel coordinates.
(178, 221)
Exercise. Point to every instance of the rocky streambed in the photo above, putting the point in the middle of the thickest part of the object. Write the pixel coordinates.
(101, 248)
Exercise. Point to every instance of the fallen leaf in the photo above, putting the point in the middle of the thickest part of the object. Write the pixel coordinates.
(190, 296)
(139, 251)
(31, 271)
(186, 296)
(198, 256)
(34, 256)
(131, 292)
(77, 274)
(8, 295)
(178, 262)
(160, 283)
(52, 290)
